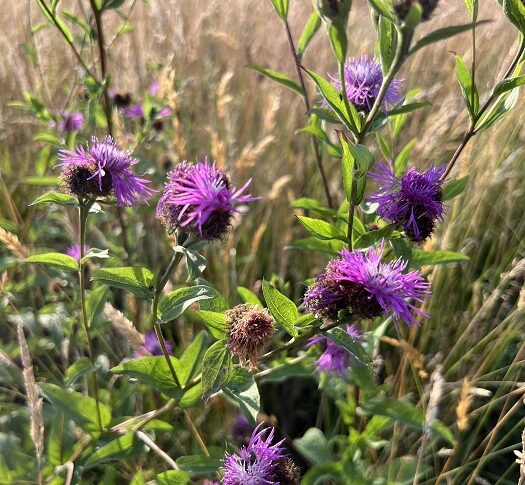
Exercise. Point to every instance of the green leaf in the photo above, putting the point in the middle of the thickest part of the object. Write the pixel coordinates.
(78, 22)
(442, 34)
(387, 42)
(468, 88)
(192, 397)
(136, 279)
(472, 7)
(335, 100)
(281, 7)
(347, 167)
(408, 108)
(424, 258)
(215, 322)
(190, 363)
(354, 347)
(41, 181)
(338, 40)
(383, 7)
(80, 408)
(278, 77)
(173, 477)
(242, 389)
(311, 28)
(217, 368)
(283, 373)
(309, 204)
(454, 187)
(515, 12)
(364, 159)
(321, 229)
(314, 447)
(508, 84)
(152, 370)
(177, 302)
(198, 465)
(195, 262)
(327, 472)
(54, 259)
(372, 237)
(401, 411)
(216, 304)
(95, 303)
(121, 448)
(79, 368)
(505, 103)
(401, 161)
(48, 138)
(282, 308)
(248, 296)
(113, 4)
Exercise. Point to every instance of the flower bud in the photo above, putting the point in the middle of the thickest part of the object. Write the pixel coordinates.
(286, 472)
(403, 7)
(333, 10)
(250, 330)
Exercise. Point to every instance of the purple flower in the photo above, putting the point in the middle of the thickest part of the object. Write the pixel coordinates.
(241, 429)
(334, 358)
(363, 79)
(133, 111)
(70, 122)
(363, 284)
(414, 201)
(255, 463)
(74, 251)
(200, 199)
(103, 169)
(151, 346)
(154, 88)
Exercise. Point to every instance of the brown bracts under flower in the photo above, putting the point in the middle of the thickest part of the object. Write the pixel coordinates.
(286, 472)
(250, 329)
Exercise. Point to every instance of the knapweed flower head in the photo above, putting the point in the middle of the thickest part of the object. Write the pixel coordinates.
(402, 7)
(200, 199)
(367, 287)
(250, 329)
(363, 79)
(102, 169)
(74, 251)
(70, 122)
(286, 472)
(241, 429)
(255, 463)
(152, 346)
(334, 357)
(413, 201)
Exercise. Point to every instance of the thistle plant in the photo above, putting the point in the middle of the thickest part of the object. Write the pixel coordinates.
(150, 397)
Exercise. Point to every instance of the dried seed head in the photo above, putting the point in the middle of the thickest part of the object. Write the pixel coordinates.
(250, 330)
(286, 472)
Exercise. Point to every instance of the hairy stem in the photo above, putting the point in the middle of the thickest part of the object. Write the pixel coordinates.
(83, 215)
(317, 153)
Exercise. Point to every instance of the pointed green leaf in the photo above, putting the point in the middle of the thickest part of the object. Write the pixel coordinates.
(173, 477)
(311, 28)
(278, 77)
(424, 258)
(215, 322)
(122, 448)
(54, 259)
(322, 229)
(136, 279)
(217, 368)
(58, 198)
(454, 187)
(354, 347)
(248, 296)
(177, 302)
(281, 307)
(281, 7)
(190, 363)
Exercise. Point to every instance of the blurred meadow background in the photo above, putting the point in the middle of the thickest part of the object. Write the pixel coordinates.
(472, 345)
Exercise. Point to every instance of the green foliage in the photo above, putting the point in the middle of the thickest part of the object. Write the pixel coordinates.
(58, 260)
(281, 307)
(136, 279)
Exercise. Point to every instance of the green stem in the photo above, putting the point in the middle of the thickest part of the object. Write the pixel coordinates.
(317, 153)
(83, 215)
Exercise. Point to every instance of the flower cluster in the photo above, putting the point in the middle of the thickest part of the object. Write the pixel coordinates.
(102, 169)
(334, 357)
(249, 331)
(363, 79)
(364, 285)
(69, 122)
(260, 462)
(414, 201)
(199, 199)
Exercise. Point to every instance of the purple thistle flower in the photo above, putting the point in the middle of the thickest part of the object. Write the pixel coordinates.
(200, 199)
(74, 251)
(413, 201)
(102, 169)
(363, 284)
(70, 122)
(334, 358)
(154, 88)
(133, 111)
(363, 79)
(151, 346)
(241, 429)
(255, 463)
